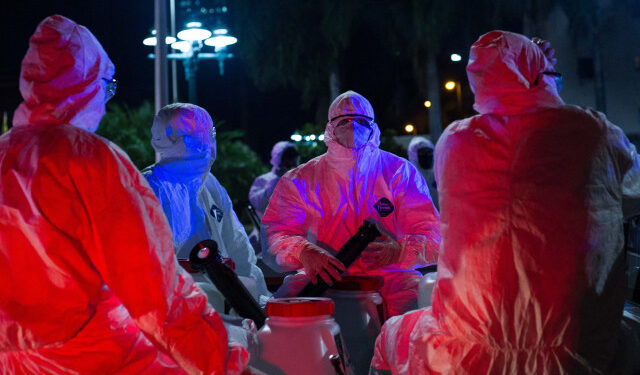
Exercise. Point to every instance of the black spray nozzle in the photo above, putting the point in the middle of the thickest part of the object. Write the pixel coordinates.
(205, 256)
(204, 253)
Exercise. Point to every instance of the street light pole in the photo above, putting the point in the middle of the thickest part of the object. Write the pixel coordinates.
(174, 68)
(433, 93)
(160, 62)
(459, 97)
(190, 71)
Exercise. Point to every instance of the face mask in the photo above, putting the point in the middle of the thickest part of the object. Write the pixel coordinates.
(557, 78)
(353, 133)
(288, 160)
(425, 158)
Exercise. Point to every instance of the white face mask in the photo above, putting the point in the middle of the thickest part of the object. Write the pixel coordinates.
(352, 132)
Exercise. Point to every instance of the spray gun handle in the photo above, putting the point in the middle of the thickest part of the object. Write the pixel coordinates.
(205, 256)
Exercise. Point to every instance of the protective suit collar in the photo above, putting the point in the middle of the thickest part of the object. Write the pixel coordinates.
(184, 170)
(502, 70)
(61, 76)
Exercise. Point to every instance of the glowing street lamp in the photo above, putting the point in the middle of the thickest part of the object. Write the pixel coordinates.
(193, 32)
(409, 128)
(182, 45)
(190, 46)
(427, 103)
(151, 40)
(455, 57)
(450, 86)
(221, 41)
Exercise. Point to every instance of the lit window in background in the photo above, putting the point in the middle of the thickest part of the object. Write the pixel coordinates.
(455, 57)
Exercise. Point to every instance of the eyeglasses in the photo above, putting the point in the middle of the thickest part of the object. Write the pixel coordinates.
(556, 75)
(358, 120)
(110, 89)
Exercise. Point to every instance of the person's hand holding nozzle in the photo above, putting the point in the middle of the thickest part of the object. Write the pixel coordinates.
(318, 262)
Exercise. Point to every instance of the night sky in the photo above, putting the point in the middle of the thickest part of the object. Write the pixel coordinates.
(268, 116)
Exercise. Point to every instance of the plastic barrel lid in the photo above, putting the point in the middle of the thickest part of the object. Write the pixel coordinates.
(300, 307)
(358, 283)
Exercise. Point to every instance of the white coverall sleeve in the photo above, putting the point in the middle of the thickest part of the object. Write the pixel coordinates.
(418, 224)
(286, 223)
(631, 180)
(237, 243)
(162, 299)
(261, 191)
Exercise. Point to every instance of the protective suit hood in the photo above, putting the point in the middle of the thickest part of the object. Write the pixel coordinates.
(61, 76)
(416, 144)
(276, 153)
(503, 70)
(183, 131)
(350, 104)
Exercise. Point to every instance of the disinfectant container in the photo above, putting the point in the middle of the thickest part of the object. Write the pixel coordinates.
(425, 289)
(360, 314)
(301, 338)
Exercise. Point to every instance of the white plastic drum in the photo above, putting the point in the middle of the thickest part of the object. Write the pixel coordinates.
(425, 289)
(360, 314)
(301, 338)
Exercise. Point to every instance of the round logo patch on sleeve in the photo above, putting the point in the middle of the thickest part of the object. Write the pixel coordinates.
(384, 207)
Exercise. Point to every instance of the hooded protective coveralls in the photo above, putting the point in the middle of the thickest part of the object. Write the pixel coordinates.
(193, 200)
(88, 277)
(263, 186)
(416, 146)
(533, 194)
(326, 200)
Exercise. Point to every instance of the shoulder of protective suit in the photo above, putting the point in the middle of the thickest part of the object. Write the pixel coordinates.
(305, 170)
(458, 125)
(585, 111)
(75, 143)
(393, 161)
(212, 183)
(218, 192)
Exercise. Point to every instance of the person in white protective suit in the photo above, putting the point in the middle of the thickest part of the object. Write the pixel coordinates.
(420, 153)
(195, 204)
(89, 281)
(533, 194)
(284, 157)
(319, 205)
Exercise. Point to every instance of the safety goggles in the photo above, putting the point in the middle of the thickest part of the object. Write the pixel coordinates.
(557, 76)
(110, 88)
(347, 120)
